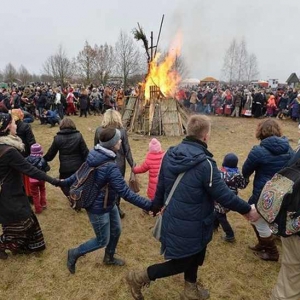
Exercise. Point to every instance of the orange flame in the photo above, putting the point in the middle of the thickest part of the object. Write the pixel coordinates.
(163, 74)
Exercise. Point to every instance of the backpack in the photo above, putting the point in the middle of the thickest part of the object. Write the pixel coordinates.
(85, 189)
(279, 201)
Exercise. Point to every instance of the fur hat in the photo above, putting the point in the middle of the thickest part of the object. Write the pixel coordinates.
(36, 150)
(154, 146)
(230, 160)
(5, 120)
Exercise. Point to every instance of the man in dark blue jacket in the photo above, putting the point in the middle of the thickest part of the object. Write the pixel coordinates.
(187, 223)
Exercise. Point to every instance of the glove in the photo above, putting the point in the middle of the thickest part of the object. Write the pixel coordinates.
(155, 210)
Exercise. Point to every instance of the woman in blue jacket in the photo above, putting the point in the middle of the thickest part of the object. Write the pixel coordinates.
(103, 213)
(265, 159)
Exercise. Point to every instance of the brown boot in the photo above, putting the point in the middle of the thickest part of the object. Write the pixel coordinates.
(258, 247)
(271, 252)
(136, 281)
(194, 292)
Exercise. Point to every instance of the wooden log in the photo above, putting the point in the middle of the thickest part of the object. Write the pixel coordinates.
(170, 118)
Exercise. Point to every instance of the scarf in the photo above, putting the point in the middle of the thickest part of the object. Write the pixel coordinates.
(12, 140)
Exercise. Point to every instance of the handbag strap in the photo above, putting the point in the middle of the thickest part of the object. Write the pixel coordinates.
(173, 188)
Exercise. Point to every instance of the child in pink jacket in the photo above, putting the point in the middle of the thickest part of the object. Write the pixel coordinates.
(152, 164)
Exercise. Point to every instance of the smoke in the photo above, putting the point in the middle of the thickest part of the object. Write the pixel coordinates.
(208, 28)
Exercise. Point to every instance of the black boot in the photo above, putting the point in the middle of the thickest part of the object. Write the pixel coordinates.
(73, 255)
(109, 259)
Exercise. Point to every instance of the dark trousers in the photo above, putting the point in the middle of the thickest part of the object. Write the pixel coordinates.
(221, 219)
(188, 266)
(83, 112)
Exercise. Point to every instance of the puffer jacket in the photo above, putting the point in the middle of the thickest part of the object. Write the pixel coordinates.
(109, 174)
(187, 222)
(24, 131)
(72, 150)
(152, 164)
(265, 159)
(123, 153)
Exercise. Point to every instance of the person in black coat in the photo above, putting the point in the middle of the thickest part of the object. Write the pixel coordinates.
(21, 232)
(72, 150)
(112, 118)
(83, 102)
(24, 130)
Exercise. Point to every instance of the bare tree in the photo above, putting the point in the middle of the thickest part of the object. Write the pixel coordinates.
(86, 63)
(252, 67)
(230, 59)
(180, 66)
(105, 62)
(128, 57)
(59, 67)
(10, 73)
(1, 76)
(241, 61)
(24, 75)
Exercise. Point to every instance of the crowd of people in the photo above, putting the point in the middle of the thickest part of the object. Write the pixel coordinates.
(239, 101)
(49, 105)
(199, 202)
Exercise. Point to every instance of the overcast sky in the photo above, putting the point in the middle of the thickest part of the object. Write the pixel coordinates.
(32, 30)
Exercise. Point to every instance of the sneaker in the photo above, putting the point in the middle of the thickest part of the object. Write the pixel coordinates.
(229, 239)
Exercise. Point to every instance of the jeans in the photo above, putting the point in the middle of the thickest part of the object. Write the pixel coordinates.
(107, 228)
(187, 265)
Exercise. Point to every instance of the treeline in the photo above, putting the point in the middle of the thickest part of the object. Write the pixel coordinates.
(93, 64)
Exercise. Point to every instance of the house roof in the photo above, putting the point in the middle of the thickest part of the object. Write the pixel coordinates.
(293, 78)
(209, 79)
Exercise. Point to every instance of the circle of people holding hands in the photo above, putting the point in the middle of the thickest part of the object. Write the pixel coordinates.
(200, 200)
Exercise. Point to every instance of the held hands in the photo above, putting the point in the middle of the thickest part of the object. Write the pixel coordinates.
(155, 210)
(252, 215)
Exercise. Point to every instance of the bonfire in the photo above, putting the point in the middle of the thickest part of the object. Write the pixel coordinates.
(156, 111)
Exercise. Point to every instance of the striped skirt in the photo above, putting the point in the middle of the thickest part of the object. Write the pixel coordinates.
(23, 237)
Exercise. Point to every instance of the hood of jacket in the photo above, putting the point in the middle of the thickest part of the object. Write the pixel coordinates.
(99, 155)
(67, 131)
(276, 145)
(186, 155)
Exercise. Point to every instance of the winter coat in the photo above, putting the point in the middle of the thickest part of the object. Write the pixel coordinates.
(38, 162)
(124, 152)
(187, 222)
(109, 174)
(265, 159)
(72, 149)
(14, 204)
(24, 132)
(83, 101)
(152, 164)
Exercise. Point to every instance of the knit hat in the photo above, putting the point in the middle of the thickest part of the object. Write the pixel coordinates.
(36, 150)
(113, 141)
(154, 146)
(5, 120)
(230, 160)
(17, 114)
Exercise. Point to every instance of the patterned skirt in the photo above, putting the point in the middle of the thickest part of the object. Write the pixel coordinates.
(23, 237)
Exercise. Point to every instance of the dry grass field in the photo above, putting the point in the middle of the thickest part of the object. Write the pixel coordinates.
(231, 271)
